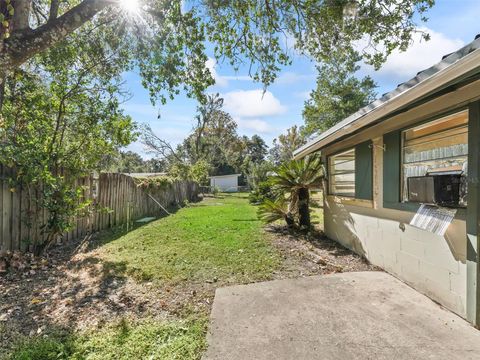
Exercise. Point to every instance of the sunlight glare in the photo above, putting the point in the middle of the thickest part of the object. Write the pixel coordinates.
(130, 6)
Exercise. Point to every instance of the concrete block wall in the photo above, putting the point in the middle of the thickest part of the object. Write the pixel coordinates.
(432, 264)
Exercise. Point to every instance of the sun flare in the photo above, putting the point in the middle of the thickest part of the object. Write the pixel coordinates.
(130, 6)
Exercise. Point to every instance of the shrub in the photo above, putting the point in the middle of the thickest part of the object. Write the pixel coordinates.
(264, 191)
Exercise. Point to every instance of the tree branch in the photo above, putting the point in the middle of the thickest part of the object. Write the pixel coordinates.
(54, 4)
(21, 15)
(23, 45)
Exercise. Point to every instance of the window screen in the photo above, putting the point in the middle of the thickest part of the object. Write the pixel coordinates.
(342, 173)
(438, 146)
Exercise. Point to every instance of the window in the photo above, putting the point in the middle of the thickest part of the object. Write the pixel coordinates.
(341, 169)
(437, 147)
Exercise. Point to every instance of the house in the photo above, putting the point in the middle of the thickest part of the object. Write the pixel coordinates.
(226, 183)
(418, 144)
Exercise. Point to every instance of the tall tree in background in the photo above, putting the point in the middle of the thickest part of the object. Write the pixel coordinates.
(338, 94)
(214, 140)
(284, 146)
(166, 40)
(255, 148)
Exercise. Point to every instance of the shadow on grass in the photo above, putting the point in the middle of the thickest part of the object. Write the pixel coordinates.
(53, 302)
(109, 235)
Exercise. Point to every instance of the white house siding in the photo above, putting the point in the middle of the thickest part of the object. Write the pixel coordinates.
(227, 183)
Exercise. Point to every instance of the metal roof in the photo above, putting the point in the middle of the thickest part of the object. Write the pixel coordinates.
(448, 61)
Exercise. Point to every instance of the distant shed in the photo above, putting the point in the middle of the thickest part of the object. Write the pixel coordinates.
(226, 183)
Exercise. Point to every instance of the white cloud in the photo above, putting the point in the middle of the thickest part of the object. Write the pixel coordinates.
(211, 64)
(258, 126)
(223, 80)
(252, 103)
(420, 55)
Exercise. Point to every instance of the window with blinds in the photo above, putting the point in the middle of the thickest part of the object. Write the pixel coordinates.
(342, 173)
(439, 146)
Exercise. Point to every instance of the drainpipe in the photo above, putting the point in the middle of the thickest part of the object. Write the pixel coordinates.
(473, 215)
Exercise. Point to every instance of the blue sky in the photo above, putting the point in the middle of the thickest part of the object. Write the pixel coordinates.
(452, 24)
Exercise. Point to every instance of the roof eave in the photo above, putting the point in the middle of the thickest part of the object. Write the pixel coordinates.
(429, 85)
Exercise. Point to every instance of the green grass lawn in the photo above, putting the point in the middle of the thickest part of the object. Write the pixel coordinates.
(148, 339)
(218, 240)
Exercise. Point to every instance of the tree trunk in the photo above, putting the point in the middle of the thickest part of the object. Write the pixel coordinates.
(290, 220)
(304, 208)
(3, 80)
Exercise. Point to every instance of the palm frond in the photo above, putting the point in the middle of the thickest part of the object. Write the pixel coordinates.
(270, 211)
(304, 173)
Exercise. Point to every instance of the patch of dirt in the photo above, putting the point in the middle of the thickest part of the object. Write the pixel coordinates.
(313, 254)
(71, 288)
(68, 289)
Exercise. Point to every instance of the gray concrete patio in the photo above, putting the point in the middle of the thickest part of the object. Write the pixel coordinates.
(363, 315)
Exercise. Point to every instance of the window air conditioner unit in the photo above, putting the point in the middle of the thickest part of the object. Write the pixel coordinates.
(441, 189)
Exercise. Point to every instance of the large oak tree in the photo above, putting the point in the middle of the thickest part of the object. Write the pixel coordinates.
(167, 39)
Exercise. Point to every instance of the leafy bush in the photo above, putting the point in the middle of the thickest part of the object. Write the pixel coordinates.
(264, 191)
(156, 182)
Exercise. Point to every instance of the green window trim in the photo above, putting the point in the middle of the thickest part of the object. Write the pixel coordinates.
(391, 169)
(364, 171)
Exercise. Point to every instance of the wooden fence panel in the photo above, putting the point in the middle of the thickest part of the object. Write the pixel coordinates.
(115, 200)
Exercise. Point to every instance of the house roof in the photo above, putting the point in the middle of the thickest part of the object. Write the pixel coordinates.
(454, 67)
(224, 176)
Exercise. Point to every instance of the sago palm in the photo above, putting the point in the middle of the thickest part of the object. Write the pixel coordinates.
(274, 210)
(296, 178)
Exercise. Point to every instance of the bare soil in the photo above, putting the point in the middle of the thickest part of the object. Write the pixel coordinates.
(72, 288)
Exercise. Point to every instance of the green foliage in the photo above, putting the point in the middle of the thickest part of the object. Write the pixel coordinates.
(215, 139)
(215, 191)
(199, 172)
(248, 32)
(214, 146)
(124, 162)
(154, 182)
(174, 339)
(272, 210)
(262, 192)
(293, 181)
(6, 13)
(286, 144)
(60, 120)
(338, 94)
(59, 346)
(258, 173)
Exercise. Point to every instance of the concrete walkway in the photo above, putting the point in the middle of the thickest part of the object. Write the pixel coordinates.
(364, 315)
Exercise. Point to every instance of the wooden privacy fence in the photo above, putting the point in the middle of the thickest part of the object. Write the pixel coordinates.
(116, 200)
